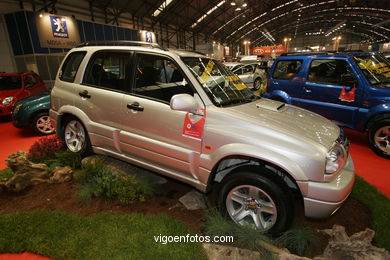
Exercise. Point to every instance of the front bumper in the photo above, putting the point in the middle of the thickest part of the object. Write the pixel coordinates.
(5, 110)
(322, 199)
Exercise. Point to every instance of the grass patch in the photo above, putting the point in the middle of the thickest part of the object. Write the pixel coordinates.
(63, 235)
(379, 206)
(6, 174)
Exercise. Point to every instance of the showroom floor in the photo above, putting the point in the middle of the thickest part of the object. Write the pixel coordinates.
(374, 169)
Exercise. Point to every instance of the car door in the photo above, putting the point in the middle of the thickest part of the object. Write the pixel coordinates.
(152, 132)
(247, 75)
(329, 80)
(100, 96)
(286, 80)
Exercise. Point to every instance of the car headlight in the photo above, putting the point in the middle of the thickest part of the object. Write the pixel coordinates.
(16, 108)
(335, 159)
(7, 100)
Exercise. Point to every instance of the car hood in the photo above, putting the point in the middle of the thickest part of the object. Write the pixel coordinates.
(288, 119)
(9, 93)
(41, 97)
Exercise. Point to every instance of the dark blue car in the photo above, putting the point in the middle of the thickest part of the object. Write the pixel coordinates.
(34, 112)
(353, 89)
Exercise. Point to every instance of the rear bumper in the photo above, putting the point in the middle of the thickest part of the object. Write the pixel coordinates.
(322, 199)
(54, 117)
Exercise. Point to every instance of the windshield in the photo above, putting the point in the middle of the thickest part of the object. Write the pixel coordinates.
(375, 68)
(10, 82)
(222, 86)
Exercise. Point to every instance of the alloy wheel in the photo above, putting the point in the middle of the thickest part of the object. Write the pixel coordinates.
(75, 136)
(247, 204)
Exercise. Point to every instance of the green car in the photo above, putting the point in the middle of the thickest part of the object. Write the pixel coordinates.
(33, 112)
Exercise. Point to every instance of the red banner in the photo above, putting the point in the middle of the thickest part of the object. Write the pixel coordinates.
(268, 50)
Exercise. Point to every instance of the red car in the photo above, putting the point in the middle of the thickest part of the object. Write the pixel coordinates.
(16, 86)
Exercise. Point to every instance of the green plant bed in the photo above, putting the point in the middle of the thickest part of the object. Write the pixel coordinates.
(63, 235)
(379, 207)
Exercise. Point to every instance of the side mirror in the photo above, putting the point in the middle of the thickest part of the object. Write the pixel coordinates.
(348, 80)
(183, 102)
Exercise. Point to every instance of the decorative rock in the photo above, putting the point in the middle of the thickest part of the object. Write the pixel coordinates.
(125, 168)
(26, 173)
(219, 252)
(61, 174)
(356, 247)
(193, 200)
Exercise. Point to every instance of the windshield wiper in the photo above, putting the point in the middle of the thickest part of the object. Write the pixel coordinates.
(236, 101)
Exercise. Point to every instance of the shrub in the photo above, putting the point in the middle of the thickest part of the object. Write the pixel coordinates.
(45, 148)
(6, 174)
(97, 180)
(298, 240)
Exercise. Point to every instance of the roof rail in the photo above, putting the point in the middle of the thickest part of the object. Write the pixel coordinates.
(317, 53)
(121, 43)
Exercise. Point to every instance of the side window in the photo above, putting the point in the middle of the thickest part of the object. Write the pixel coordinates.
(159, 78)
(108, 70)
(329, 71)
(286, 69)
(238, 71)
(29, 81)
(247, 70)
(71, 65)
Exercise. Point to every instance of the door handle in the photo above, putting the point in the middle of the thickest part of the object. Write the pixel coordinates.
(84, 94)
(275, 82)
(308, 89)
(135, 106)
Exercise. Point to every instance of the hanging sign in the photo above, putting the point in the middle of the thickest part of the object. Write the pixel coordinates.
(57, 31)
(193, 124)
(268, 50)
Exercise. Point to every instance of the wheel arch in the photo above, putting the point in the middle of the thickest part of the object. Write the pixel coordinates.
(68, 112)
(378, 117)
(232, 164)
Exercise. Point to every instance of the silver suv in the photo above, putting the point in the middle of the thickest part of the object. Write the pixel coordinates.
(186, 116)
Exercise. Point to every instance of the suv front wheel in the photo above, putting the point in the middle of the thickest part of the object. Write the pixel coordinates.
(76, 137)
(379, 138)
(249, 198)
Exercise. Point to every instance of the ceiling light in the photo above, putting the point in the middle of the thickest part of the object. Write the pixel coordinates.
(244, 5)
(233, 3)
(238, 9)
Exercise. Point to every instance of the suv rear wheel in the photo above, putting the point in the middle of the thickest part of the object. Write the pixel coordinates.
(250, 198)
(379, 138)
(76, 137)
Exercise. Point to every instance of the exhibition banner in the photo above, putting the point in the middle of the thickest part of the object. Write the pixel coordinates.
(268, 50)
(57, 31)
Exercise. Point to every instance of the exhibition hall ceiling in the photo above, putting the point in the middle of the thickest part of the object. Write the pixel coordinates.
(261, 21)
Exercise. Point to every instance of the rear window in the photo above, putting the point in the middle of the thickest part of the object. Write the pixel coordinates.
(71, 65)
(286, 69)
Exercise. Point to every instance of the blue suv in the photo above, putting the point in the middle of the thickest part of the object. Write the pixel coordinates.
(351, 88)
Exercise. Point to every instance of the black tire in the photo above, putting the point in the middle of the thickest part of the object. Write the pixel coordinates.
(76, 137)
(42, 125)
(379, 138)
(257, 84)
(270, 194)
